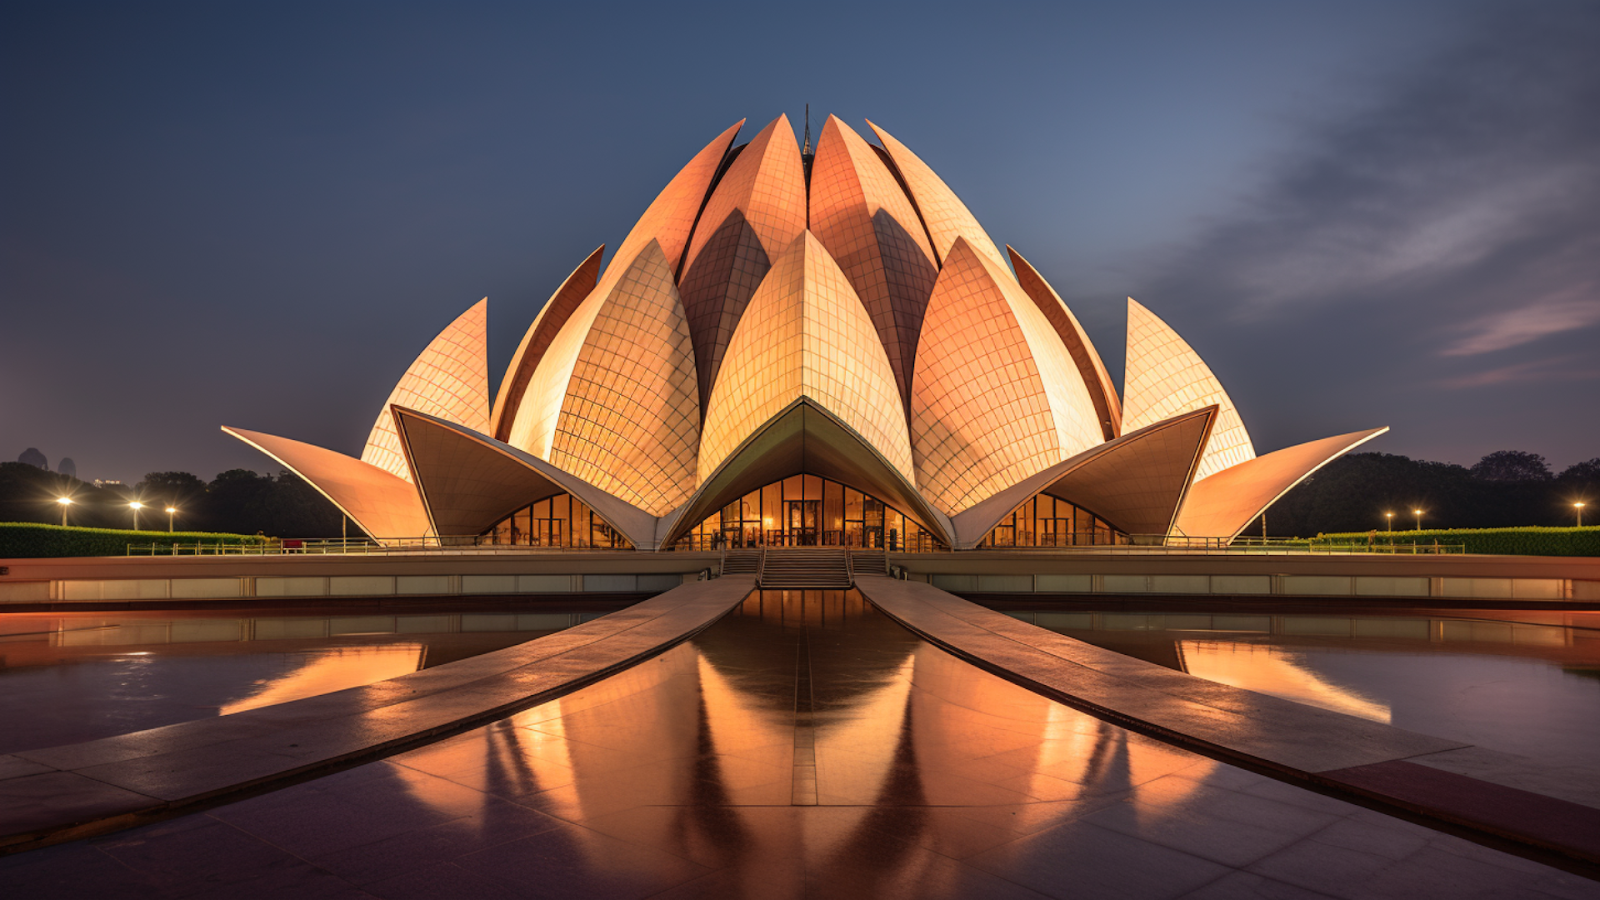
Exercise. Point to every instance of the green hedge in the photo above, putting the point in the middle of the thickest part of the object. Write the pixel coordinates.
(20, 540)
(1531, 540)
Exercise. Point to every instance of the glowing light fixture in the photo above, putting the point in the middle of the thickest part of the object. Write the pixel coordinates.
(67, 501)
(1418, 514)
(136, 506)
(1579, 505)
(1390, 517)
(171, 511)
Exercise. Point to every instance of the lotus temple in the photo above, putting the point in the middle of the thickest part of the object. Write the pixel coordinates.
(806, 548)
(798, 347)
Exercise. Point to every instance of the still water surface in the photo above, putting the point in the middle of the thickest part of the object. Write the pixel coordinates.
(1523, 682)
(69, 677)
(803, 746)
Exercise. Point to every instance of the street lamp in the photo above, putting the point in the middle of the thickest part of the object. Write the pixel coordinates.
(1418, 514)
(170, 511)
(67, 501)
(136, 506)
(1579, 505)
(1390, 517)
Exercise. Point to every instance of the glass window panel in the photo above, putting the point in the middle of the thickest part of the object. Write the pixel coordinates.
(771, 510)
(852, 504)
(833, 511)
(813, 487)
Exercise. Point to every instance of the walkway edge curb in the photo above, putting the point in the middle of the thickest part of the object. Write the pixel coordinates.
(1535, 826)
(272, 747)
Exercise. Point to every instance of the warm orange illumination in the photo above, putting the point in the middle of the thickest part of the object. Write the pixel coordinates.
(449, 379)
(1418, 514)
(67, 501)
(1164, 377)
(1579, 505)
(841, 315)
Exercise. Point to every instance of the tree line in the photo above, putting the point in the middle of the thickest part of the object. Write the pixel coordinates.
(1507, 488)
(237, 501)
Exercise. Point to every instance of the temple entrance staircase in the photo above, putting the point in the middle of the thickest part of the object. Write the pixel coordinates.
(805, 569)
(741, 562)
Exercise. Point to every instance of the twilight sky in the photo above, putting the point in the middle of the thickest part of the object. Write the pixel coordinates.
(1359, 213)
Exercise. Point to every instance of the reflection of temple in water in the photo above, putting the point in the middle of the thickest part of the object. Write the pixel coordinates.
(812, 701)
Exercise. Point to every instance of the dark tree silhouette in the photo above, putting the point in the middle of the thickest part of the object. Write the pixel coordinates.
(1512, 465)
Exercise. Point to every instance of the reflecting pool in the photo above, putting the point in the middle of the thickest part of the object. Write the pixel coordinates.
(69, 677)
(803, 746)
(1518, 681)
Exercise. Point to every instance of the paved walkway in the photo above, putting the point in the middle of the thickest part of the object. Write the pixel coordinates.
(1494, 798)
(802, 747)
(61, 793)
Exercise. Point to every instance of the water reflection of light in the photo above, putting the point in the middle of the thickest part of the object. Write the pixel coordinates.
(1281, 673)
(326, 671)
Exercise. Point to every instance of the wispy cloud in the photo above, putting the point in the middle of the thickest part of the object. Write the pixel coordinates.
(1571, 367)
(1569, 309)
(1469, 187)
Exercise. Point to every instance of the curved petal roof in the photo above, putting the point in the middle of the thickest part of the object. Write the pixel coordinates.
(767, 183)
(868, 225)
(1165, 377)
(469, 481)
(449, 379)
(537, 340)
(1223, 504)
(1136, 482)
(805, 334)
(669, 219)
(614, 401)
(996, 398)
(380, 503)
(945, 216)
(754, 214)
(1095, 377)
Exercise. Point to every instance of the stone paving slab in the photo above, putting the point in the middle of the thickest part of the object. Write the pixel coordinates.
(1495, 798)
(61, 793)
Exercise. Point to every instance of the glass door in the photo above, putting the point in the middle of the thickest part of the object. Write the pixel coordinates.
(803, 515)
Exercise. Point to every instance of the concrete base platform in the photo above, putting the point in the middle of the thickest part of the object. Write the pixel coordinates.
(61, 793)
(1490, 798)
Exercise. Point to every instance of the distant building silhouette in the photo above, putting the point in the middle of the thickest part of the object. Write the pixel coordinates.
(67, 467)
(33, 457)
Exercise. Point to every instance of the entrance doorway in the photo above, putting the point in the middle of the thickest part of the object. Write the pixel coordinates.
(803, 516)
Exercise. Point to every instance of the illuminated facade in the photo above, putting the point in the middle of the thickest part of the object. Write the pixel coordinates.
(798, 349)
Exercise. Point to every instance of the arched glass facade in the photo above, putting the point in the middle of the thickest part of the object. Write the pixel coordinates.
(807, 511)
(802, 511)
(1047, 521)
(562, 521)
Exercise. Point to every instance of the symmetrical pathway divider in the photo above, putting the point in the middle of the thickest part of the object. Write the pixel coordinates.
(61, 793)
(1497, 799)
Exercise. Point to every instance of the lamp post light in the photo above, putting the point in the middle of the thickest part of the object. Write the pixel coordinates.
(1579, 505)
(171, 510)
(136, 506)
(67, 501)
(1418, 514)
(1390, 517)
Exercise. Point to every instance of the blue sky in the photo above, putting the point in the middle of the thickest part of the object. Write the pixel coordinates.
(1359, 213)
